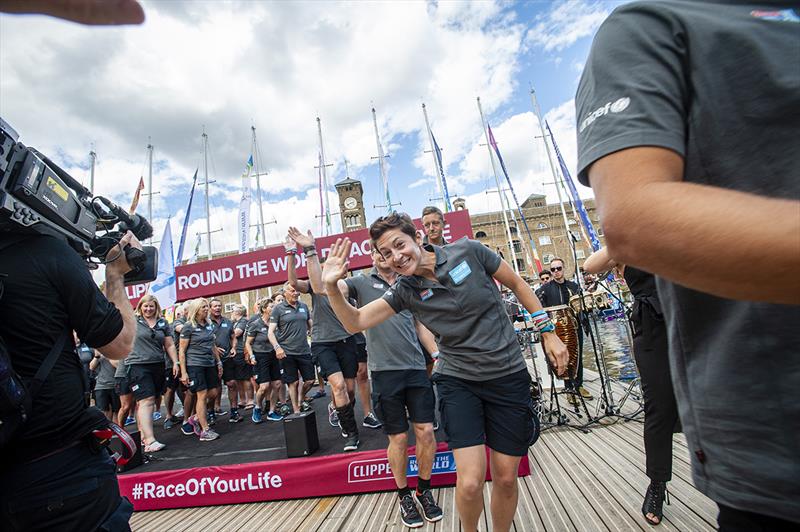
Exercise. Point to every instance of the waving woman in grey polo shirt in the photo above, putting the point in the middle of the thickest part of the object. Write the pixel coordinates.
(200, 366)
(481, 376)
(146, 365)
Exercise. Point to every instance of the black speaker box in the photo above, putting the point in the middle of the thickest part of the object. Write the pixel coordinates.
(300, 431)
(137, 458)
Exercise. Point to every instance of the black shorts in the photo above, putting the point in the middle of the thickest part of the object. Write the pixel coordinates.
(291, 365)
(361, 353)
(147, 380)
(171, 381)
(496, 412)
(235, 370)
(337, 357)
(395, 391)
(267, 368)
(202, 378)
(122, 385)
(106, 399)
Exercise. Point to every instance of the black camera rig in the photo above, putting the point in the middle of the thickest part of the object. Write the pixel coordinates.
(36, 196)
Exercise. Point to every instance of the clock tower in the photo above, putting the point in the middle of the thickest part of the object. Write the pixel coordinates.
(351, 205)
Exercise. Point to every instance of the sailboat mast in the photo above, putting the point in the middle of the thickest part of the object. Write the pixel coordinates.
(324, 190)
(93, 158)
(150, 183)
(555, 175)
(438, 171)
(208, 211)
(499, 189)
(382, 163)
(258, 187)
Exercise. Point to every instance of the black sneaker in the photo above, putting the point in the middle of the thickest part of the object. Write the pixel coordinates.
(430, 509)
(409, 513)
(371, 422)
(351, 443)
(235, 418)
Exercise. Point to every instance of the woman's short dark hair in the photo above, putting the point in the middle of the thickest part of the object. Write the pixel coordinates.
(395, 220)
(264, 304)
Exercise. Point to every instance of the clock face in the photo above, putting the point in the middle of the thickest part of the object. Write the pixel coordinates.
(350, 203)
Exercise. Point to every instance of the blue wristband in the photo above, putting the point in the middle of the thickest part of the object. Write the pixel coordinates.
(548, 328)
(538, 313)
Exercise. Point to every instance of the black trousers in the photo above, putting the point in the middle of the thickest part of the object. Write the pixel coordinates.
(660, 410)
(74, 489)
(733, 520)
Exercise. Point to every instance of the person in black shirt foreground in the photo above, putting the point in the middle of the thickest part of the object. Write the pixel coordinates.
(556, 293)
(53, 476)
(480, 370)
(650, 351)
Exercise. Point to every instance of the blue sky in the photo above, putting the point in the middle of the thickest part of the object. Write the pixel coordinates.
(223, 66)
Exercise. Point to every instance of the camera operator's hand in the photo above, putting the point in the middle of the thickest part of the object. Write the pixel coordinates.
(92, 12)
(116, 263)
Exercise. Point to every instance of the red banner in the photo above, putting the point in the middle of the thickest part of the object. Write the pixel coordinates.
(267, 267)
(295, 478)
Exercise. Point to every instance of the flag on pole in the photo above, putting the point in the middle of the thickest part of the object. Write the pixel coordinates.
(438, 152)
(163, 288)
(182, 242)
(196, 249)
(136, 195)
(587, 223)
(493, 143)
(244, 208)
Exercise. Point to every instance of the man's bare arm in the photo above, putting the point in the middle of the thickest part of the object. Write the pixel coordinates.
(426, 338)
(599, 262)
(300, 284)
(121, 346)
(702, 237)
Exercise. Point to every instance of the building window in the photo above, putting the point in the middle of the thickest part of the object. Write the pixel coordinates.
(544, 240)
(521, 265)
(480, 234)
(599, 230)
(548, 257)
(576, 235)
(541, 225)
(513, 229)
(579, 253)
(571, 221)
(517, 246)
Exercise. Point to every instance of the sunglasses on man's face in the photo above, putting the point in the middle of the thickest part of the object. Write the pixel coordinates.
(556, 268)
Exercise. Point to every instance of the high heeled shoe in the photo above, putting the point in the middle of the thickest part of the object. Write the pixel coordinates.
(654, 502)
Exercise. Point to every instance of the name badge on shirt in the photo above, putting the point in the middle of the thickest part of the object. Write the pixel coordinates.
(301, 310)
(224, 325)
(287, 312)
(460, 272)
(426, 294)
(378, 285)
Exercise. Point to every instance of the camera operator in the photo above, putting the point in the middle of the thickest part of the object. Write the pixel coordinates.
(53, 475)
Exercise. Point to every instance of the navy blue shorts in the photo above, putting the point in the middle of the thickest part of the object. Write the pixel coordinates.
(497, 412)
(202, 378)
(337, 357)
(147, 380)
(292, 365)
(396, 391)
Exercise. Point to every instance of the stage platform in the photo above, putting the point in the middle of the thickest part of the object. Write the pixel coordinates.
(248, 463)
(249, 442)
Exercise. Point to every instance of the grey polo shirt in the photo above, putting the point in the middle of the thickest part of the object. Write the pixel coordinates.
(223, 334)
(393, 344)
(259, 332)
(105, 375)
(148, 346)
(241, 325)
(292, 330)
(327, 327)
(199, 352)
(121, 371)
(463, 308)
(719, 84)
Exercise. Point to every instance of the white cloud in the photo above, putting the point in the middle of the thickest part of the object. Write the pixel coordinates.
(565, 23)
(420, 182)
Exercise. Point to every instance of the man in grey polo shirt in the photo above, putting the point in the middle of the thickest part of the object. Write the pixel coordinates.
(687, 129)
(433, 223)
(332, 346)
(401, 389)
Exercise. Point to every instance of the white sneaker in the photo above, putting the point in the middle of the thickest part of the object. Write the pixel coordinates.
(154, 447)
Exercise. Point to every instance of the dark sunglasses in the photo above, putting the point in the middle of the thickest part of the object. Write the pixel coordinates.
(556, 268)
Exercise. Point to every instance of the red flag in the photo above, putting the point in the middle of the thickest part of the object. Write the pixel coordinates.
(135, 201)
